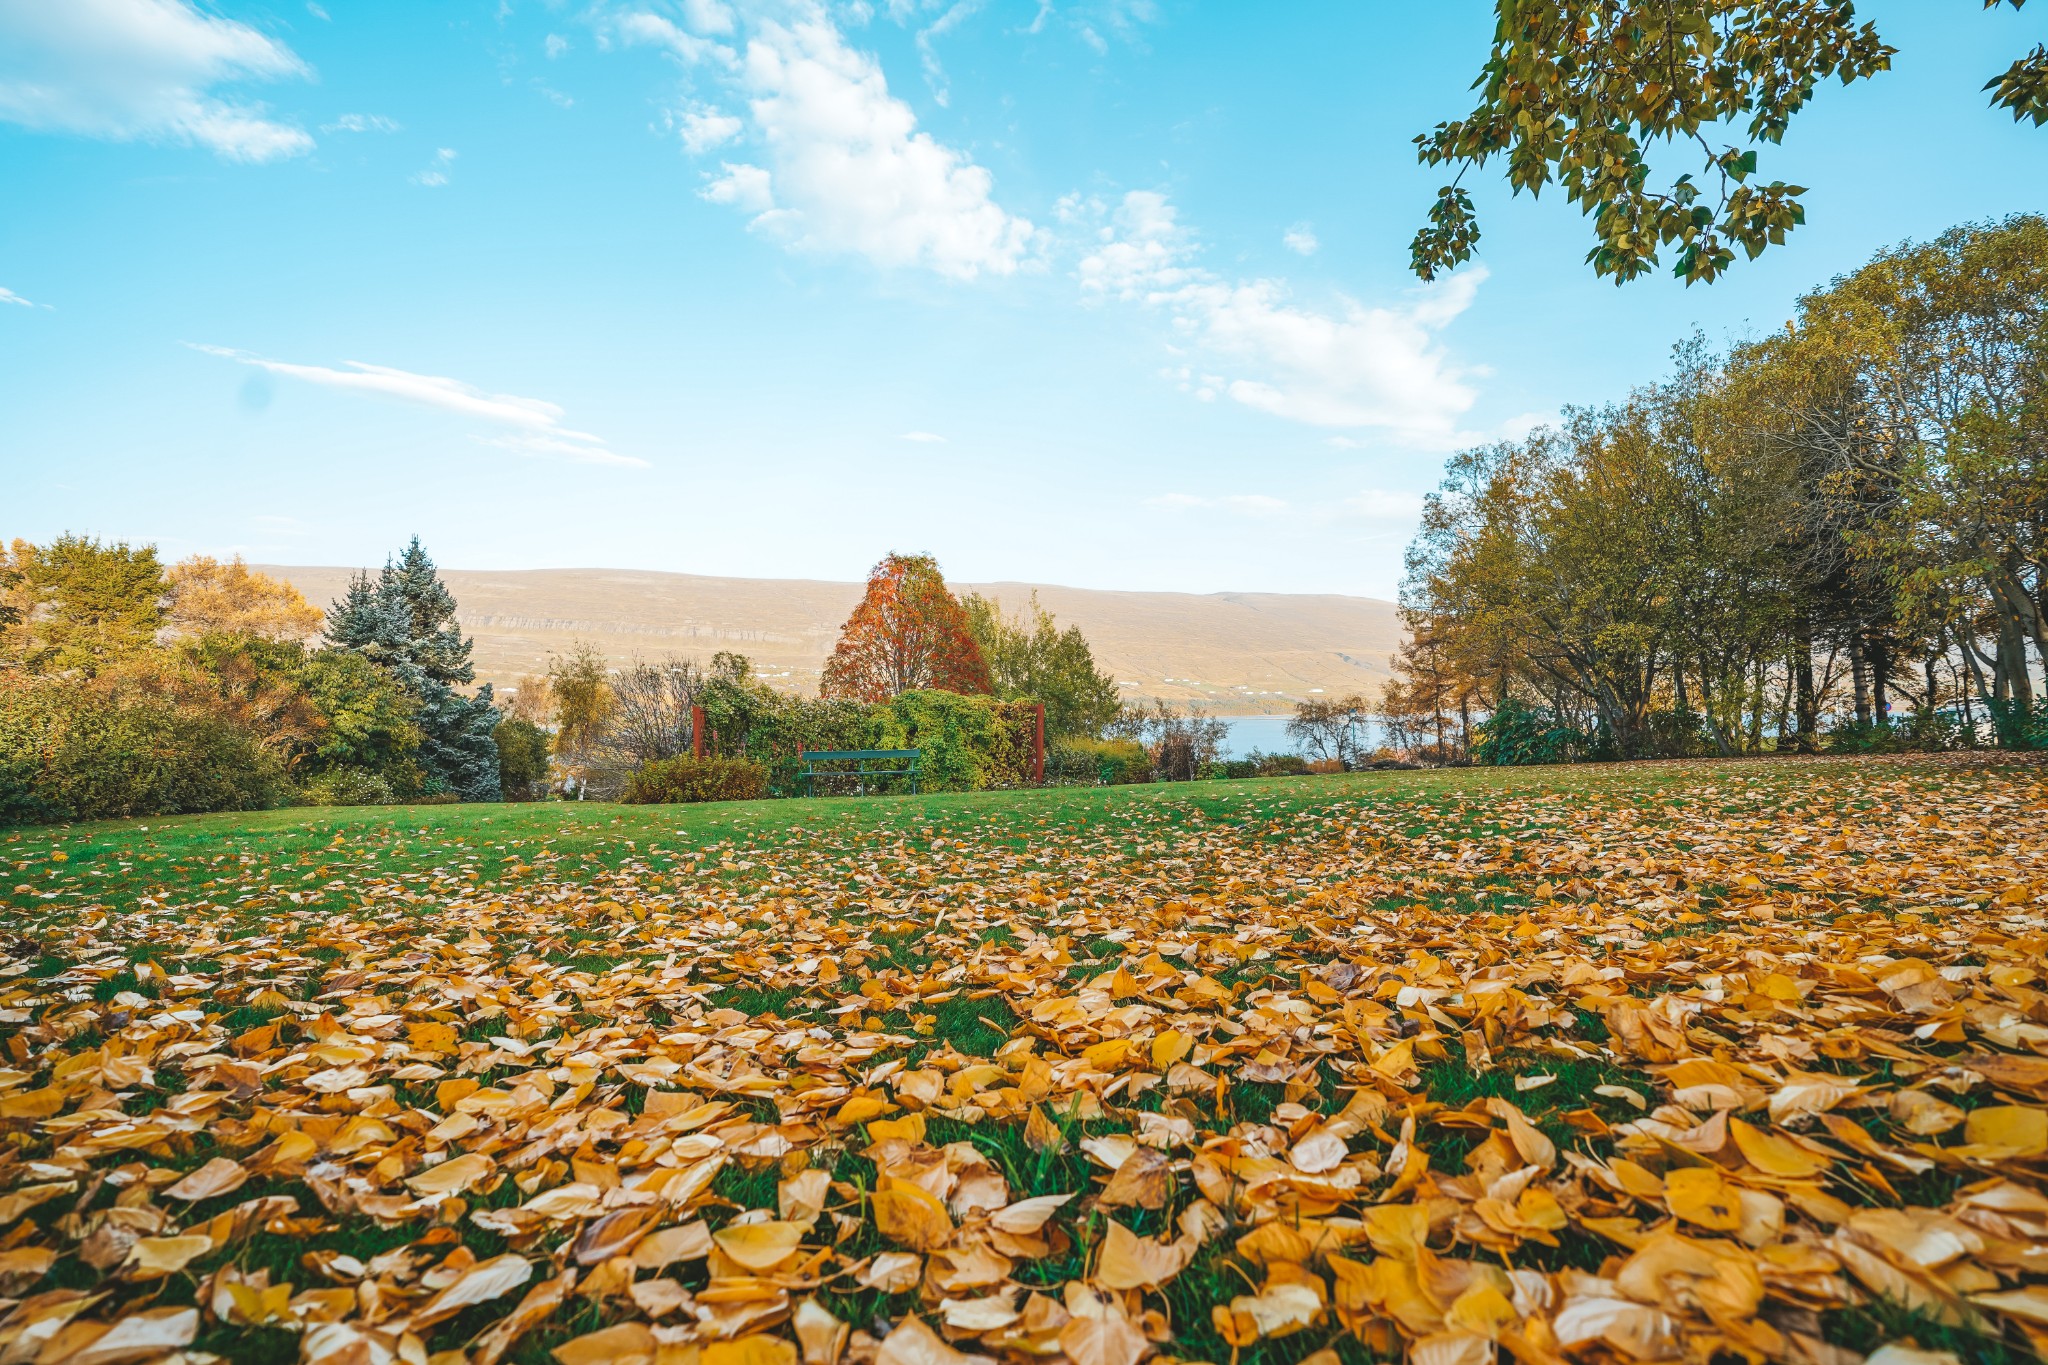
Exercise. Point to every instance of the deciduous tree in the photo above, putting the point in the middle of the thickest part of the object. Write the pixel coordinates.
(1332, 728)
(909, 632)
(211, 597)
(1579, 92)
(1030, 657)
(580, 685)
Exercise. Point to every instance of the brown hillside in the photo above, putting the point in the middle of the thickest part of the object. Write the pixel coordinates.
(1239, 652)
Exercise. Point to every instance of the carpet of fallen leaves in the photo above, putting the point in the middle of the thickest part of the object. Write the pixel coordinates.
(1692, 1069)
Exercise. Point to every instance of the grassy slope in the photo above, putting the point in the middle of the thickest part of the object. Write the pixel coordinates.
(112, 860)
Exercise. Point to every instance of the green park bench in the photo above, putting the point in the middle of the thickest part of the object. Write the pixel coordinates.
(814, 761)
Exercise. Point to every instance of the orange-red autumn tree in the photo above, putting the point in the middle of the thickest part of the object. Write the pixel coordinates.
(909, 631)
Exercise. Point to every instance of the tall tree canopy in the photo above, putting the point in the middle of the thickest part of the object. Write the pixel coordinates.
(1579, 92)
(403, 621)
(908, 632)
(1862, 500)
(89, 605)
(1030, 657)
(209, 597)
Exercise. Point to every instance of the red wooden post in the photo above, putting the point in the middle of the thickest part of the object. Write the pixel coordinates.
(1038, 745)
(696, 732)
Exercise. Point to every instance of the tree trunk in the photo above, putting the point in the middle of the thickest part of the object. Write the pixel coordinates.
(1802, 677)
(1859, 675)
(1880, 680)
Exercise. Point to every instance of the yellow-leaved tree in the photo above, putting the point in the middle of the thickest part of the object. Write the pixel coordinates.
(210, 597)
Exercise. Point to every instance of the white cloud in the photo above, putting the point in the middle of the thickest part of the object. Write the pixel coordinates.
(640, 28)
(951, 14)
(703, 128)
(843, 168)
(1372, 504)
(744, 187)
(925, 437)
(436, 173)
(1243, 504)
(1380, 504)
(127, 69)
(1518, 427)
(1086, 20)
(708, 16)
(9, 296)
(556, 45)
(1349, 366)
(1301, 240)
(361, 123)
(316, 11)
(533, 425)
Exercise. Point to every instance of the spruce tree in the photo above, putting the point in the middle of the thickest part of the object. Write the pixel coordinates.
(404, 622)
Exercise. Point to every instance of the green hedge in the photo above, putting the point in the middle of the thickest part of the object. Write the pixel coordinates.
(73, 750)
(966, 743)
(348, 787)
(673, 780)
(1518, 734)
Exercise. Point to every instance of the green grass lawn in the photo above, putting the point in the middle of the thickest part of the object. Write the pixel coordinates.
(316, 854)
(1313, 939)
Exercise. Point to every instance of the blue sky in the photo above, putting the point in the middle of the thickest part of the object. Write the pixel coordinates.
(1109, 293)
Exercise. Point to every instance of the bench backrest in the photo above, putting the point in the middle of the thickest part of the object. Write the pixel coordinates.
(853, 755)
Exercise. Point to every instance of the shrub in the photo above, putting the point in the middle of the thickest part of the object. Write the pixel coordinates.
(1865, 737)
(1323, 767)
(348, 787)
(370, 720)
(2019, 725)
(20, 804)
(965, 743)
(1097, 762)
(1517, 733)
(1677, 734)
(74, 749)
(673, 780)
(522, 757)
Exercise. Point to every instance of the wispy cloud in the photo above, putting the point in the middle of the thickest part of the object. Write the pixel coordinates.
(1349, 366)
(836, 164)
(702, 128)
(9, 296)
(1244, 504)
(950, 15)
(361, 123)
(142, 69)
(1372, 505)
(436, 173)
(530, 425)
(1088, 18)
(1379, 504)
(1301, 240)
(925, 437)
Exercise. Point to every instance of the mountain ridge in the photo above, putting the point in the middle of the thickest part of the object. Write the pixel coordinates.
(1233, 652)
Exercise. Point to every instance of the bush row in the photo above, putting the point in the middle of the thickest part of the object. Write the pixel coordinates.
(76, 752)
(670, 780)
